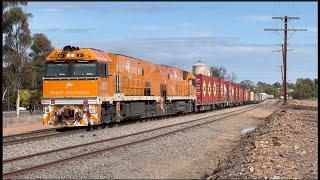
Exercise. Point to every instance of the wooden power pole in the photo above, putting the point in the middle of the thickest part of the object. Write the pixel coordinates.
(285, 44)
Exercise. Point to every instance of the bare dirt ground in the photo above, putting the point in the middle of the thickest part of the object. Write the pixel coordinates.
(285, 147)
(25, 123)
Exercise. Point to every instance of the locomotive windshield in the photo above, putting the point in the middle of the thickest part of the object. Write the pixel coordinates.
(76, 69)
(81, 69)
(57, 69)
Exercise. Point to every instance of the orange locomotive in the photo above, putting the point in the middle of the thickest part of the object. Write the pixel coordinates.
(84, 87)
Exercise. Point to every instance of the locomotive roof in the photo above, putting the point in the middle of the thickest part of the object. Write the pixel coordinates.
(147, 61)
(85, 54)
(90, 54)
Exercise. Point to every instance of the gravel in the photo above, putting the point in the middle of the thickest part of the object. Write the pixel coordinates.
(284, 147)
(182, 155)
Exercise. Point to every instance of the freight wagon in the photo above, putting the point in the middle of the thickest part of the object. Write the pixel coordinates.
(229, 93)
(264, 96)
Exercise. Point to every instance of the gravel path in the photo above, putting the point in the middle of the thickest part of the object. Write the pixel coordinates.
(182, 155)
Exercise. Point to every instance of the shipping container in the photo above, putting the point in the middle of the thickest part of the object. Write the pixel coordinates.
(229, 89)
(241, 94)
(216, 84)
(264, 96)
(207, 89)
(223, 91)
(252, 96)
(204, 89)
(246, 95)
(237, 86)
(233, 92)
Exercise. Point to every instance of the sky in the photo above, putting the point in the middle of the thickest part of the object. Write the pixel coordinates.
(178, 34)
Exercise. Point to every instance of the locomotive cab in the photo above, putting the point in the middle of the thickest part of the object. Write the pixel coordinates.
(74, 79)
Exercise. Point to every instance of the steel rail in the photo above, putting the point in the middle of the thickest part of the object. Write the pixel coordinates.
(36, 136)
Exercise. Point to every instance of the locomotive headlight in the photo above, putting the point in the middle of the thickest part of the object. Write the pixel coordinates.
(68, 55)
(72, 55)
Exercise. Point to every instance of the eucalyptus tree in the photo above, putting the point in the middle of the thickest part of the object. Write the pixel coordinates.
(16, 41)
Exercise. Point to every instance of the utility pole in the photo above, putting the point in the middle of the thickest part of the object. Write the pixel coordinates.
(285, 20)
(282, 51)
(281, 73)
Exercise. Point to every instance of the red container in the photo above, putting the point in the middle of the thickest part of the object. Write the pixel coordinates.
(236, 92)
(204, 89)
(207, 89)
(215, 92)
(241, 94)
(223, 91)
(233, 92)
(246, 95)
(229, 90)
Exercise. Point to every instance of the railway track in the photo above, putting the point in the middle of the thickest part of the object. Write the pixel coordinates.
(56, 132)
(37, 135)
(99, 146)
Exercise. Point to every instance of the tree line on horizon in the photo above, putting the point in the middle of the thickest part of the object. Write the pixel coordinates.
(304, 88)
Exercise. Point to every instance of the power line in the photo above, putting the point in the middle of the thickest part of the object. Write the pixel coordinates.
(284, 46)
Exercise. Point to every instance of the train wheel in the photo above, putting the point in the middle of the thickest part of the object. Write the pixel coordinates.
(103, 125)
(88, 128)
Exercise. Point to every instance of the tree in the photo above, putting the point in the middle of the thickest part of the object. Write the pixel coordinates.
(305, 88)
(40, 48)
(219, 72)
(17, 40)
(291, 86)
(247, 84)
(277, 85)
(261, 87)
(12, 3)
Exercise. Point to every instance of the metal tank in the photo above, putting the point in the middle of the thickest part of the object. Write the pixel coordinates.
(201, 68)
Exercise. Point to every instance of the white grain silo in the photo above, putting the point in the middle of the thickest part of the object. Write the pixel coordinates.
(201, 68)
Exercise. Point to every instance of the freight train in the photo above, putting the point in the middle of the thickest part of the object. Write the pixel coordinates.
(87, 87)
